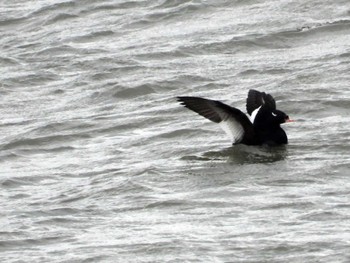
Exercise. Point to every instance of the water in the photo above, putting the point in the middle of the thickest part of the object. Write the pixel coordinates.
(99, 163)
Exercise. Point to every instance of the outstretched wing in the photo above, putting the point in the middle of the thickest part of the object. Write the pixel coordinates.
(234, 122)
(256, 99)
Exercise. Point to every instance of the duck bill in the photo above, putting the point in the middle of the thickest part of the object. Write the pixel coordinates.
(289, 120)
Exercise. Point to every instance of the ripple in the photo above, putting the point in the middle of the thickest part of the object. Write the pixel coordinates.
(54, 7)
(25, 242)
(60, 17)
(141, 90)
(44, 140)
(171, 3)
(93, 36)
(61, 50)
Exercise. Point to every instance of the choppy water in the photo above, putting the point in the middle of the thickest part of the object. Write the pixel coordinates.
(99, 163)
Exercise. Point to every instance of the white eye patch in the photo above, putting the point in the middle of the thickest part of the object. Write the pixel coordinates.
(274, 115)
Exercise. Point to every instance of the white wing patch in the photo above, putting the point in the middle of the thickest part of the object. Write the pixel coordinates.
(233, 129)
(254, 113)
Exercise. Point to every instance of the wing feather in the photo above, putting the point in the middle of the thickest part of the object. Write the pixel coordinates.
(257, 99)
(234, 122)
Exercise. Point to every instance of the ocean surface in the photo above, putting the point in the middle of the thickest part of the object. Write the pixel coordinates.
(100, 163)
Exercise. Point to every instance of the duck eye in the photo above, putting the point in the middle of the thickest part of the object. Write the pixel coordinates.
(274, 115)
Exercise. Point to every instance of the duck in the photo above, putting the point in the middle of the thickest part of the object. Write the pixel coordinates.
(262, 125)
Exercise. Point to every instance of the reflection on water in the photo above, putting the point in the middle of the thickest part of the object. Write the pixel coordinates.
(243, 154)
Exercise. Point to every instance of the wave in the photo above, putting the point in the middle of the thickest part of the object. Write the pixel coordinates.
(44, 141)
(48, 9)
(59, 18)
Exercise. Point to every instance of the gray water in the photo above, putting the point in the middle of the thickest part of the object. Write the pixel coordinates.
(99, 163)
